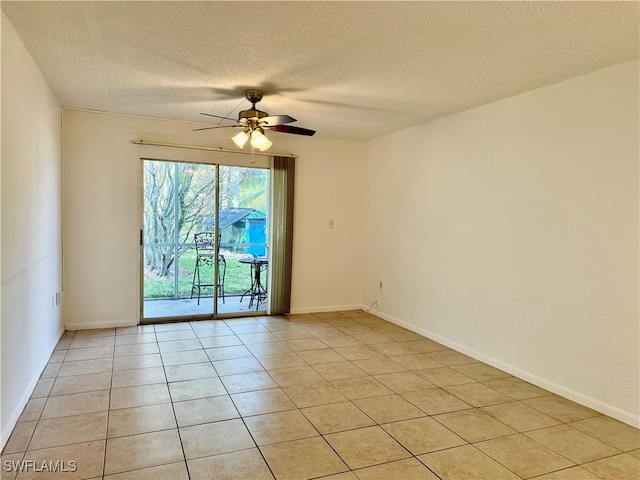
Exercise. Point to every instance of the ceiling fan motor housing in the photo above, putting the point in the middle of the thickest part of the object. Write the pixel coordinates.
(254, 96)
(252, 113)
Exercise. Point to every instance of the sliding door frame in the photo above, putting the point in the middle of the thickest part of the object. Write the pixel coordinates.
(264, 165)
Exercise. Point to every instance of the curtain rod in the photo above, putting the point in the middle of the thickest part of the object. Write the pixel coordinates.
(210, 149)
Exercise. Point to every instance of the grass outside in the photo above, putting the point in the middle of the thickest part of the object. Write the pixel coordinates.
(237, 278)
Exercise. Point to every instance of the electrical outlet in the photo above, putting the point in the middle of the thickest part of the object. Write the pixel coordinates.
(378, 302)
(380, 285)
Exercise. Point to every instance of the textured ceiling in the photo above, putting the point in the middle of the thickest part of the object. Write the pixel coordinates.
(346, 69)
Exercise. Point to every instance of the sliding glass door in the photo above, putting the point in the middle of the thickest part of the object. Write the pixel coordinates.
(204, 240)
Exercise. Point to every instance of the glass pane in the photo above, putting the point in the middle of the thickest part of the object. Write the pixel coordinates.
(159, 212)
(179, 201)
(243, 227)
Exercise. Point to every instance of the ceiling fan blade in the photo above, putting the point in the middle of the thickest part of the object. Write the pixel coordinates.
(291, 129)
(218, 116)
(276, 120)
(216, 126)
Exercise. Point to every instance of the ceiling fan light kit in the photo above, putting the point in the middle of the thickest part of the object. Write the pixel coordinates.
(254, 122)
(260, 141)
(240, 139)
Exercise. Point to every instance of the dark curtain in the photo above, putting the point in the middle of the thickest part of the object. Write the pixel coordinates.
(282, 241)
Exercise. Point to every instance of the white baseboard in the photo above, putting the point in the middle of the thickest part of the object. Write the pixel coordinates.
(15, 415)
(332, 308)
(577, 397)
(94, 325)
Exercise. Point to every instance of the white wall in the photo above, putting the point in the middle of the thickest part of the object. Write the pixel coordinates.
(510, 232)
(327, 263)
(101, 170)
(31, 225)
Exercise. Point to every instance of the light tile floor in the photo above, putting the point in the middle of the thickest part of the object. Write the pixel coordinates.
(341, 395)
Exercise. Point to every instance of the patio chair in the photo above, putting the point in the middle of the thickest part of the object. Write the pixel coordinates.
(205, 253)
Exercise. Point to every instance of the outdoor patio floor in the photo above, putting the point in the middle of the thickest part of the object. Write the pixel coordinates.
(188, 307)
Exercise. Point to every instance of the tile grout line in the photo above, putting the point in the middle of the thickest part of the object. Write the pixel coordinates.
(106, 434)
(175, 416)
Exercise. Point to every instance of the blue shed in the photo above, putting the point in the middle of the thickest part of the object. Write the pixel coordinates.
(241, 226)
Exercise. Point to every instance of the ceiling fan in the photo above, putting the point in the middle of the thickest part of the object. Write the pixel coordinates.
(254, 122)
